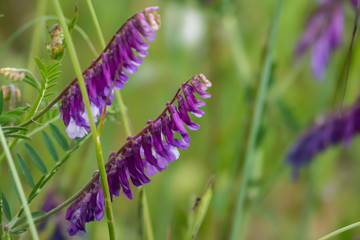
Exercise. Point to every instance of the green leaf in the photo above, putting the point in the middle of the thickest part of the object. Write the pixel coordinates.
(59, 137)
(36, 158)
(1, 101)
(14, 128)
(33, 214)
(7, 118)
(288, 116)
(15, 135)
(25, 170)
(201, 206)
(50, 146)
(1, 15)
(16, 111)
(73, 21)
(5, 207)
(31, 81)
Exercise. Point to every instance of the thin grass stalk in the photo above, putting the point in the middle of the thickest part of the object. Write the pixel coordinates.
(18, 186)
(341, 230)
(96, 139)
(255, 127)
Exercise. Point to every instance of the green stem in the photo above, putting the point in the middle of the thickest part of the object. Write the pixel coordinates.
(1, 222)
(330, 235)
(146, 214)
(96, 139)
(96, 22)
(35, 40)
(18, 185)
(126, 122)
(256, 120)
(122, 106)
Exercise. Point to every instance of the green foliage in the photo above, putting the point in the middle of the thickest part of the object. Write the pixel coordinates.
(31, 80)
(12, 116)
(1, 15)
(5, 207)
(1, 101)
(199, 210)
(25, 170)
(59, 137)
(50, 146)
(49, 73)
(73, 21)
(34, 156)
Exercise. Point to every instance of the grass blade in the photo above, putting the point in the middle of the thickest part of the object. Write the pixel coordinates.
(255, 126)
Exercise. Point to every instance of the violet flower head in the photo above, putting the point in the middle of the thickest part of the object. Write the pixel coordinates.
(110, 71)
(85, 209)
(327, 131)
(323, 34)
(142, 156)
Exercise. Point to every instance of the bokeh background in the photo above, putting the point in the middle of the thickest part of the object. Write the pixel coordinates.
(226, 40)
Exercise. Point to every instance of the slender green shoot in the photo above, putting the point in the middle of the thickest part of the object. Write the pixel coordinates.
(18, 186)
(96, 139)
(341, 230)
(255, 127)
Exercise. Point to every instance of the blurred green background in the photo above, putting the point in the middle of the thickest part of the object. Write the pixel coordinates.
(225, 40)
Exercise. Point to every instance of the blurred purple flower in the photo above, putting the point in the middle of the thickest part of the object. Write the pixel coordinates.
(355, 3)
(330, 130)
(102, 78)
(152, 149)
(323, 34)
(51, 201)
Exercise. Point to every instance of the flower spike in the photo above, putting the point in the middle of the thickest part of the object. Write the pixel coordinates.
(110, 70)
(143, 155)
(330, 130)
(323, 34)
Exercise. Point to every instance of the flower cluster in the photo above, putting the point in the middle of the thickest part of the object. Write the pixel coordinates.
(107, 73)
(85, 209)
(151, 149)
(323, 34)
(327, 131)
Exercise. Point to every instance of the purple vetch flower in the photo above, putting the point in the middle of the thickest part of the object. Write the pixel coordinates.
(329, 130)
(323, 34)
(110, 71)
(85, 209)
(142, 156)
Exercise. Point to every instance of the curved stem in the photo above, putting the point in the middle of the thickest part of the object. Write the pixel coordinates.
(256, 120)
(96, 139)
(330, 235)
(18, 185)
